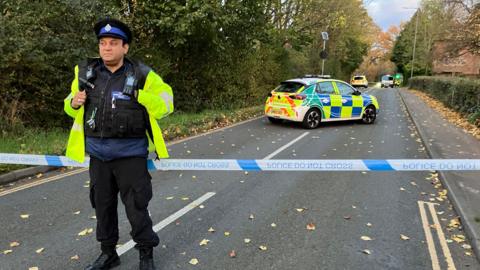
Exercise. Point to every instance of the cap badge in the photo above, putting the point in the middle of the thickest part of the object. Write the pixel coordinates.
(108, 28)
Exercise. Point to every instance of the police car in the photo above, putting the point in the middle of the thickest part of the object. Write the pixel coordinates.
(315, 99)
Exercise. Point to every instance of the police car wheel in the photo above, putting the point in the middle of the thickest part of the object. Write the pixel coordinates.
(311, 119)
(369, 115)
(275, 120)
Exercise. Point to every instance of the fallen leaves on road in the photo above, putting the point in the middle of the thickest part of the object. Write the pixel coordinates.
(85, 232)
(366, 238)
(273, 225)
(76, 213)
(33, 268)
(310, 226)
(366, 251)
(369, 224)
(8, 251)
(262, 248)
(185, 199)
(211, 230)
(458, 238)
(40, 250)
(169, 198)
(454, 223)
(204, 242)
(14, 244)
(232, 254)
(24, 216)
(193, 261)
(247, 240)
(74, 258)
(251, 217)
(404, 237)
(301, 210)
(226, 233)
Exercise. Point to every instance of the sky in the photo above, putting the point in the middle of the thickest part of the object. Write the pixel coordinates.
(386, 13)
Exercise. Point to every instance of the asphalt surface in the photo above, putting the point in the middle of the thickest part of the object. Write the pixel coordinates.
(342, 206)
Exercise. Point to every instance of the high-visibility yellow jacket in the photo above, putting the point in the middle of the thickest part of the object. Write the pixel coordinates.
(156, 96)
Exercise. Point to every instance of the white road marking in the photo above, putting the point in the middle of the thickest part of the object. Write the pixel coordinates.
(43, 181)
(429, 237)
(441, 237)
(162, 224)
(286, 146)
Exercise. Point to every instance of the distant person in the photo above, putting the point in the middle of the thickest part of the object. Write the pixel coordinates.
(116, 102)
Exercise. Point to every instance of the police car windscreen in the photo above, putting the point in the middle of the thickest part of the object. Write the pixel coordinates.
(358, 78)
(289, 87)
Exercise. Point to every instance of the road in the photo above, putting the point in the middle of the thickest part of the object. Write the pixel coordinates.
(358, 217)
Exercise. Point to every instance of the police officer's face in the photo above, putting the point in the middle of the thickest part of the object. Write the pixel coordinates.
(112, 50)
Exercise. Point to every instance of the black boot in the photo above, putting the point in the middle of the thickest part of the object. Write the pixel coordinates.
(146, 259)
(105, 261)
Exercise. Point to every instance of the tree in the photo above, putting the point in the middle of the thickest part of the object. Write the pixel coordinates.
(377, 62)
(464, 33)
(433, 18)
(38, 50)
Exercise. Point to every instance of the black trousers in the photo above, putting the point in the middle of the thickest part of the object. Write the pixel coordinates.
(131, 178)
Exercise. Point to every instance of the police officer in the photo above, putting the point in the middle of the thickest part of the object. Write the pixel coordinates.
(116, 102)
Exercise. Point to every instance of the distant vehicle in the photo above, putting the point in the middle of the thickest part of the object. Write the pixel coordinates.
(398, 80)
(313, 100)
(359, 81)
(387, 81)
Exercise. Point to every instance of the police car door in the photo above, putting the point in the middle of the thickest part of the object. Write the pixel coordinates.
(351, 104)
(325, 92)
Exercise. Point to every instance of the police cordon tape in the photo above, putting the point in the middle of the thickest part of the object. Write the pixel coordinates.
(268, 164)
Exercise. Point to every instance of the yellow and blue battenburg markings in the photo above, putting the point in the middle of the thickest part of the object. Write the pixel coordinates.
(334, 106)
(292, 165)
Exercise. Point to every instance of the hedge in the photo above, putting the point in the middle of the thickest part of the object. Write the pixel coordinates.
(460, 94)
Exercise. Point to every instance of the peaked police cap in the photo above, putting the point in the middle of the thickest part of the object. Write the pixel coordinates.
(113, 28)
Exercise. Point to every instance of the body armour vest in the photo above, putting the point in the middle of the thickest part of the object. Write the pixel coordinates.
(108, 112)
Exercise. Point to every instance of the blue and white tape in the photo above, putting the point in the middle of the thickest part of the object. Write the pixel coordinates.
(270, 164)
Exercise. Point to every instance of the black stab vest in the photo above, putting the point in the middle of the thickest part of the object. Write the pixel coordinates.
(106, 115)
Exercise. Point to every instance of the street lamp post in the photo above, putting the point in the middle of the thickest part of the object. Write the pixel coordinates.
(417, 14)
(414, 42)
